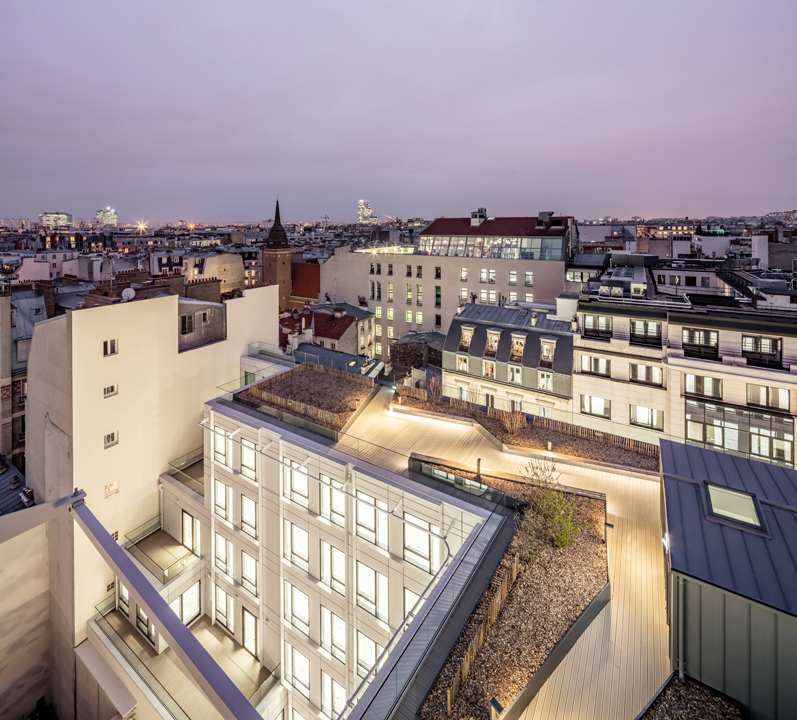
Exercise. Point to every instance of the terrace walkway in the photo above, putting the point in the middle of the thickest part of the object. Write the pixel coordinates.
(622, 659)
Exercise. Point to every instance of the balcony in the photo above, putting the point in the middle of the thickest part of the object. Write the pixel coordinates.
(189, 469)
(596, 334)
(646, 340)
(702, 352)
(166, 676)
(158, 551)
(762, 359)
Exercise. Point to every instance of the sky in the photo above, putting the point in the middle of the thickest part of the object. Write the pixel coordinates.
(207, 111)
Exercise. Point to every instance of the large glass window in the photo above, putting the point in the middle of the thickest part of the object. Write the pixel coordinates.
(186, 605)
(372, 591)
(297, 608)
(598, 326)
(772, 397)
(251, 643)
(124, 599)
(222, 501)
(223, 554)
(700, 385)
(649, 374)
(144, 624)
(595, 365)
(648, 417)
(367, 652)
(220, 444)
(191, 533)
(224, 609)
(332, 500)
(333, 634)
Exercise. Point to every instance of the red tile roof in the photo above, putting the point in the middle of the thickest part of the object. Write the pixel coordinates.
(499, 227)
(306, 280)
(328, 326)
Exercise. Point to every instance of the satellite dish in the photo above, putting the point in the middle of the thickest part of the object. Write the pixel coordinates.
(128, 294)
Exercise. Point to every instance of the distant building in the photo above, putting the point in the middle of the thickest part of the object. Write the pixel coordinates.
(365, 216)
(106, 217)
(276, 260)
(55, 219)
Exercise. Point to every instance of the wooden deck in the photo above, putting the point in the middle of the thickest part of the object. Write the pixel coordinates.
(617, 665)
(240, 666)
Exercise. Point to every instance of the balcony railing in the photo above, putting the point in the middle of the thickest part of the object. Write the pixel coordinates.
(165, 566)
(189, 469)
(703, 352)
(759, 359)
(109, 605)
(646, 340)
(598, 334)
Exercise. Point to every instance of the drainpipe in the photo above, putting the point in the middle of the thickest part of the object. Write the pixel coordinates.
(680, 628)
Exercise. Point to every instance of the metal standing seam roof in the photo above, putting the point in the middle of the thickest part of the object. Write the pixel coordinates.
(760, 568)
(10, 501)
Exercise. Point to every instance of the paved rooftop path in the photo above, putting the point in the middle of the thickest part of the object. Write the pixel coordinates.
(616, 666)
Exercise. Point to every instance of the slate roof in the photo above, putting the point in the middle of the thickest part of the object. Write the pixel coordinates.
(759, 567)
(513, 320)
(10, 500)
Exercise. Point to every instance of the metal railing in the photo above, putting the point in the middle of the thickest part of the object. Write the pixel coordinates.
(182, 463)
(162, 574)
(109, 605)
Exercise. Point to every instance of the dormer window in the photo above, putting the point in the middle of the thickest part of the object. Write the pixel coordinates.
(492, 343)
(518, 346)
(467, 336)
(547, 348)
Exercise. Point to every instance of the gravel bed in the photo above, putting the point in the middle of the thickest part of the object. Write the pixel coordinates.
(324, 391)
(552, 589)
(687, 701)
(537, 438)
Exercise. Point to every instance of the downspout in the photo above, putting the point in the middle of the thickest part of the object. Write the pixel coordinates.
(680, 628)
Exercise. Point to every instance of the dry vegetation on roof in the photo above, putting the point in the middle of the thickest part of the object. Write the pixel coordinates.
(551, 591)
(687, 701)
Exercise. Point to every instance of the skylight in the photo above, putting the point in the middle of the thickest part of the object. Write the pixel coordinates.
(734, 505)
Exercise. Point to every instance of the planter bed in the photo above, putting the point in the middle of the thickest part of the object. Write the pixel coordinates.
(687, 701)
(552, 589)
(532, 438)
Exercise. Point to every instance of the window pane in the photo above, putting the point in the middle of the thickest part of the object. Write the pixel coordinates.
(733, 505)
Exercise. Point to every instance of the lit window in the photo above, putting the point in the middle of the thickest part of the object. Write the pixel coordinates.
(367, 653)
(333, 696)
(224, 609)
(734, 505)
(332, 500)
(220, 445)
(390, 331)
(379, 348)
(529, 297)
(333, 567)
(467, 336)
(463, 293)
(768, 397)
(489, 369)
(463, 274)
(646, 374)
(333, 634)
(591, 405)
(379, 331)
(493, 296)
(595, 365)
(295, 482)
(222, 501)
(418, 318)
(296, 542)
(512, 296)
(223, 554)
(372, 591)
(545, 381)
(297, 669)
(249, 516)
(648, 417)
(420, 547)
(462, 364)
(248, 459)
(371, 523)
(706, 386)
(529, 279)
(297, 608)
(390, 313)
(250, 633)
(408, 316)
(547, 348)
(515, 374)
(513, 277)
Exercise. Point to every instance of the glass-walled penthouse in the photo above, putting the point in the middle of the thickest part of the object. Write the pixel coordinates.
(509, 248)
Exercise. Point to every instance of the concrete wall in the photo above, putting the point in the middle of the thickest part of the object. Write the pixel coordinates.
(24, 623)
(738, 647)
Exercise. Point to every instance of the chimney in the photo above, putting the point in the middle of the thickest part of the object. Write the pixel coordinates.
(533, 319)
(478, 217)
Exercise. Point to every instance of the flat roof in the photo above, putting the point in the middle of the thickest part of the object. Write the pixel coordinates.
(760, 566)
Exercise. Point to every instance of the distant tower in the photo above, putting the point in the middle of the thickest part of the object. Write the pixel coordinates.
(365, 216)
(276, 260)
(106, 217)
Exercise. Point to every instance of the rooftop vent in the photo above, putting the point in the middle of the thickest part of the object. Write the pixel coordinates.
(339, 312)
(478, 217)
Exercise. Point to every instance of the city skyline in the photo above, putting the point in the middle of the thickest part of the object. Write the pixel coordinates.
(676, 111)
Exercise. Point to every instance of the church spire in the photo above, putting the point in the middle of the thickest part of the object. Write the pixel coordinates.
(277, 214)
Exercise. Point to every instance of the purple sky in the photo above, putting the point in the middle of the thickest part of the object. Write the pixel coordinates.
(206, 111)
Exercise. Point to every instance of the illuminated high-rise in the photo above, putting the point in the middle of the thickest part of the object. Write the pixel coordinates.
(55, 219)
(106, 217)
(365, 216)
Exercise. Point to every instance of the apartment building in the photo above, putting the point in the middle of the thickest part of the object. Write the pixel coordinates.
(418, 288)
(695, 352)
(114, 394)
